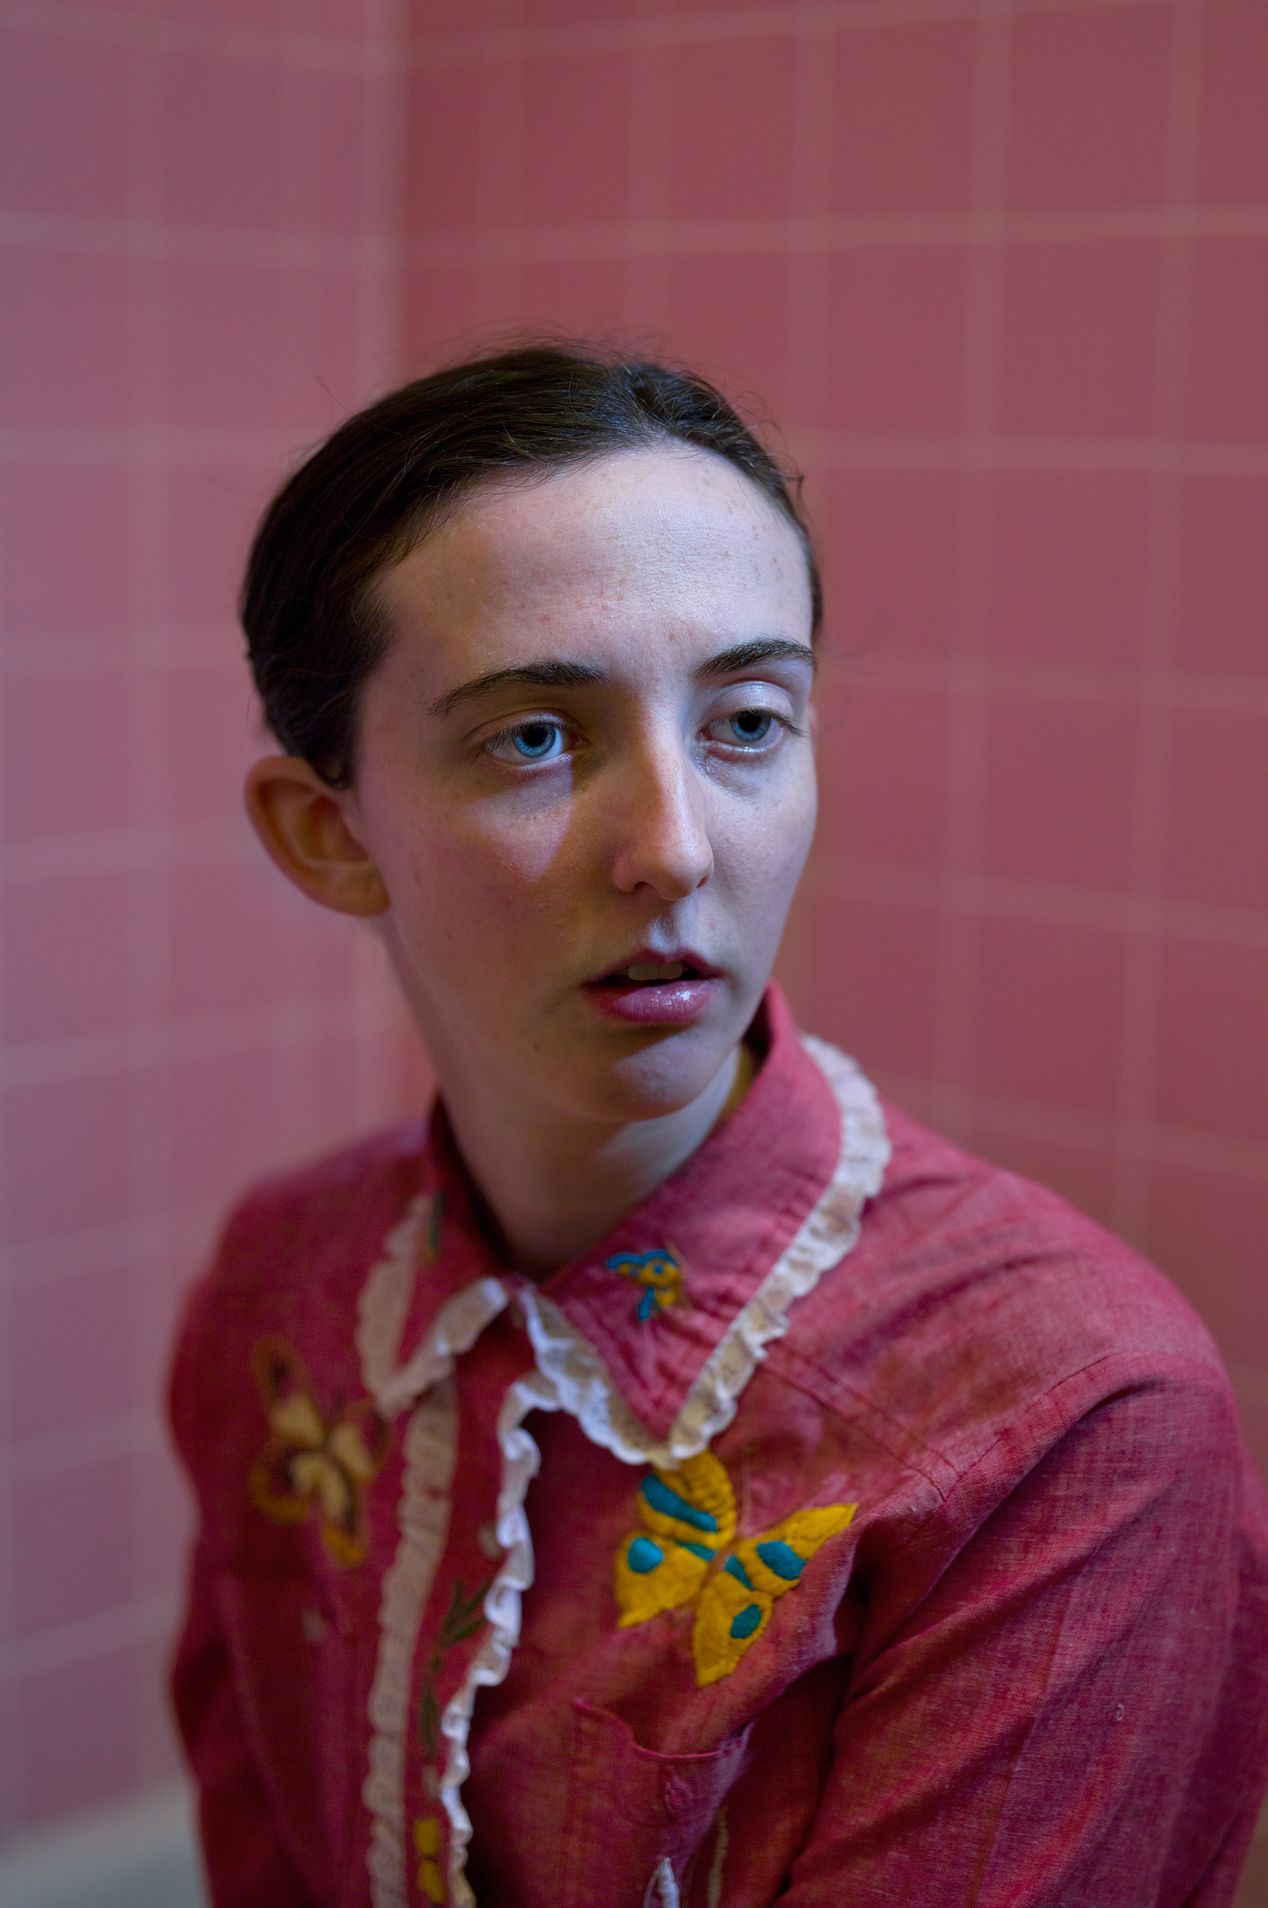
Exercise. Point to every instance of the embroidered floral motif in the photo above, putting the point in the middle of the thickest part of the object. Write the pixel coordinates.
(463, 1618)
(311, 1460)
(427, 1848)
(429, 1236)
(658, 1272)
(688, 1519)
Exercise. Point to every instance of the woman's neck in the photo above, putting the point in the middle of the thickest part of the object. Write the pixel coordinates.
(538, 1214)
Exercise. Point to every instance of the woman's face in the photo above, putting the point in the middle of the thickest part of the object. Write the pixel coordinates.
(628, 810)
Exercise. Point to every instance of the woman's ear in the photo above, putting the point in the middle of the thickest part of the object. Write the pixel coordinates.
(302, 827)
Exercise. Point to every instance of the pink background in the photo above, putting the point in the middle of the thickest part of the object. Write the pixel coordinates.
(1000, 272)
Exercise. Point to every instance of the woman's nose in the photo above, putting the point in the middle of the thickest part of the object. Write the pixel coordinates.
(660, 826)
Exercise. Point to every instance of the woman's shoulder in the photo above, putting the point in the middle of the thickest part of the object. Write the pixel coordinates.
(283, 1275)
(302, 1224)
(972, 1292)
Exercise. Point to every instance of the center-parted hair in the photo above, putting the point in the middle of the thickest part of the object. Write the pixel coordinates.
(371, 493)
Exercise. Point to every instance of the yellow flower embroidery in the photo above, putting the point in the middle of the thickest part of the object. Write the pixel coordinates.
(311, 1461)
(427, 1848)
(688, 1519)
(429, 1237)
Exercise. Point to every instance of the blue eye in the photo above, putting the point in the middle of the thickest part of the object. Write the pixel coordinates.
(535, 726)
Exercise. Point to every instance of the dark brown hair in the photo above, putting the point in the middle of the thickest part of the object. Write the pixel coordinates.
(371, 492)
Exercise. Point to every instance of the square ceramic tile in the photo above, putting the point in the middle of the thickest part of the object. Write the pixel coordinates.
(1089, 107)
(210, 512)
(1216, 816)
(76, 1730)
(1059, 790)
(1049, 1005)
(74, 1538)
(727, 317)
(1222, 575)
(1210, 1036)
(64, 127)
(223, 1126)
(557, 13)
(329, 190)
(874, 981)
(1084, 1175)
(895, 339)
(444, 307)
(67, 525)
(1070, 552)
(315, 951)
(222, 130)
(165, 1519)
(63, 752)
(220, 936)
(449, 181)
(67, 1161)
(74, 372)
(576, 142)
(224, 324)
(69, 942)
(1080, 337)
(901, 129)
(355, 21)
(454, 16)
(1232, 150)
(1226, 391)
(887, 543)
(214, 732)
(1206, 1228)
(318, 380)
(718, 168)
(583, 294)
(221, 15)
(67, 1351)
(883, 766)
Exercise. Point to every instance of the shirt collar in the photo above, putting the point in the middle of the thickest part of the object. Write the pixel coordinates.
(650, 1335)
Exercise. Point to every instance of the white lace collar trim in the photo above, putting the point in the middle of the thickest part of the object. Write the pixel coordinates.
(570, 1376)
(565, 1355)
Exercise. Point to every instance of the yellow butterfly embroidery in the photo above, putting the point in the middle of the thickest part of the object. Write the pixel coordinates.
(688, 1519)
(311, 1460)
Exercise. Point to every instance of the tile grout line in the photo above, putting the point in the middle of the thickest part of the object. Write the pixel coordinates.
(1142, 977)
(955, 1026)
(151, 768)
(382, 354)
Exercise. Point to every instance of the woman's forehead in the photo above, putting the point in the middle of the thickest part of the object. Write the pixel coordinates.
(662, 521)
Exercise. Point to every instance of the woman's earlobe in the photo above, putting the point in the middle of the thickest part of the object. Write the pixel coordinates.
(302, 828)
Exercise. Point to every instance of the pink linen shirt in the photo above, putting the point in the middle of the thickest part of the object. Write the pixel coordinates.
(857, 1524)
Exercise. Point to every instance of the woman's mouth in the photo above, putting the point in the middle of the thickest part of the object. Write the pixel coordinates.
(677, 1002)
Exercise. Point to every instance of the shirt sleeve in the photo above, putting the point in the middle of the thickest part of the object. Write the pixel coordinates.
(1044, 1681)
(244, 1860)
(245, 1864)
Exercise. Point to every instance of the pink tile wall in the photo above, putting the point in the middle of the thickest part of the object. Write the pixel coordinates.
(999, 272)
(201, 259)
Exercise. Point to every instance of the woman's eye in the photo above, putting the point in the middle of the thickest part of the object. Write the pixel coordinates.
(538, 729)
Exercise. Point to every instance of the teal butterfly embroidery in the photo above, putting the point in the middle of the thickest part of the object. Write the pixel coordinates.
(688, 1522)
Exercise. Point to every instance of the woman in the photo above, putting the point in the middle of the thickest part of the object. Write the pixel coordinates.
(666, 1472)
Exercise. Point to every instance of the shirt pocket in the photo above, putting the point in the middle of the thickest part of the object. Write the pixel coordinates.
(296, 1666)
(635, 1817)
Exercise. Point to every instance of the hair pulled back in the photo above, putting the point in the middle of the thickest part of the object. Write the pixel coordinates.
(371, 492)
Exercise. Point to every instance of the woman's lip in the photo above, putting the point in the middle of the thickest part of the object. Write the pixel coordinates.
(673, 1003)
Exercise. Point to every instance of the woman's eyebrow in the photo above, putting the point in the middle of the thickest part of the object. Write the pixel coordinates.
(557, 672)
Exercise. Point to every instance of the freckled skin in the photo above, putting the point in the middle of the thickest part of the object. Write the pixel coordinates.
(510, 881)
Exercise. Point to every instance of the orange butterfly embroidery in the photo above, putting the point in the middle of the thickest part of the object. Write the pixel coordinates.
(311, 1461)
